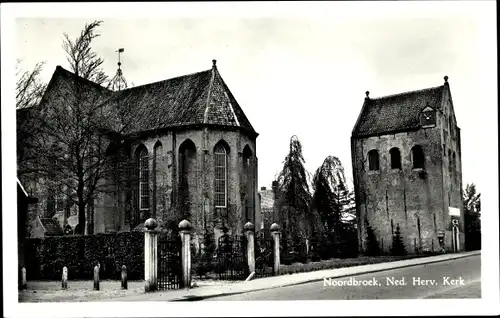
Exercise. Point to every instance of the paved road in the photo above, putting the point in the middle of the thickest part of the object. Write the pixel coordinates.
(460, 278)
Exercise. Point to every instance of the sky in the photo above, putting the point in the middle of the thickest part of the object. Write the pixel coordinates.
(299, 74)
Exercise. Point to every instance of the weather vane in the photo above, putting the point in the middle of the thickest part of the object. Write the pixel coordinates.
(118, 79)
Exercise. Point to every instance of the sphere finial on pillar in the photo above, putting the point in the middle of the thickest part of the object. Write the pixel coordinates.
(151, 224)
(249, 226)
(274, 227)
(184, 225)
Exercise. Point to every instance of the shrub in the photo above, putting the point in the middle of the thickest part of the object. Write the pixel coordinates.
(398, 247)
(204, 261)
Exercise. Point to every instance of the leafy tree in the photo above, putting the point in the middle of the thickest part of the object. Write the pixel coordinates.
(472, 217)
(294, 198)
(398, 247)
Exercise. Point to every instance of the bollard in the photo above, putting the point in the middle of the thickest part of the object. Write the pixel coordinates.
(65, 278)
(124, 277)
(24, 283)
(96, 277)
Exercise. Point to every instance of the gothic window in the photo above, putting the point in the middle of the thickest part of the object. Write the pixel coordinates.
(187, 177)
(395, 158)
(157, 155)
(220, 157)
(373, 160)
(143, 161)
(247, 183)
(418, 157)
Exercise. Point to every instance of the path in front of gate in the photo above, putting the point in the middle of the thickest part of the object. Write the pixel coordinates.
(78, 291)
(82, 290)
(223, 288)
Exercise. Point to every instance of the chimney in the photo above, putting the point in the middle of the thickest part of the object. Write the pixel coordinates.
(446, 80)
(367, 94)
(263, 188)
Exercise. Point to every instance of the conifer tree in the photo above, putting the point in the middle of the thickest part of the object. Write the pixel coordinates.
(398, 247)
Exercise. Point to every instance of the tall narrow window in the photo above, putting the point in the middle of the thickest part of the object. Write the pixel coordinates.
(143, 160)
(373, 160)
(157, 179)
(395, 158)
(418, 157)
(220, 157)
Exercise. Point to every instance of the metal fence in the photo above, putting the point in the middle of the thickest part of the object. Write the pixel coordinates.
(169, 261)
(231, 257)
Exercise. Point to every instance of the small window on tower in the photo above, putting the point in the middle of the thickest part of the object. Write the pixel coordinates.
(373, 160)
(418, 157)
(395, 158)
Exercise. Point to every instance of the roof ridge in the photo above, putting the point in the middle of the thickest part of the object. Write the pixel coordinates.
(209, 94)
(165, 80)
(83, 79)
(407, 92)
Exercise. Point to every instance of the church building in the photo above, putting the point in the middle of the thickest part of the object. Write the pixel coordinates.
(194, 154)
(407, 168)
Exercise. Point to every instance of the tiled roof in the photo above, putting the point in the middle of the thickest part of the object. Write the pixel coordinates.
(266, 199)
(51, 226)
(196, 99)
(395, 113)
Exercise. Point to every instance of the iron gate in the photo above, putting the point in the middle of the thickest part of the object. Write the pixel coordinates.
(264, 256)
(231, 257)
(169, 261)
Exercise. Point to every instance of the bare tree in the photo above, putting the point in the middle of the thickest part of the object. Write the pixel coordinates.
(29, 86)
(81, 124)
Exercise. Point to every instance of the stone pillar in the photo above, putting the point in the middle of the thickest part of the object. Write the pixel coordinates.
(185, 232)
(249, 232)
(276, 238)
(150, 255)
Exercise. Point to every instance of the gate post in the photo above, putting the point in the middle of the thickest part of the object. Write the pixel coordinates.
(276, 238)
(150, 255)
(249, 232)
(185, 232)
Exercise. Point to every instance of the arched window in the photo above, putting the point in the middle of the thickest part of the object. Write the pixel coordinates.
(187, 177)
(395, 158)
(143, 161)
(220, 157)
(247, 184)
(418, 157)
(373, 160)
(157, 178)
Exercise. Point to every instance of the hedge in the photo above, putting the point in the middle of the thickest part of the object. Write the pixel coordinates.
(346, 262)
(45, 257)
